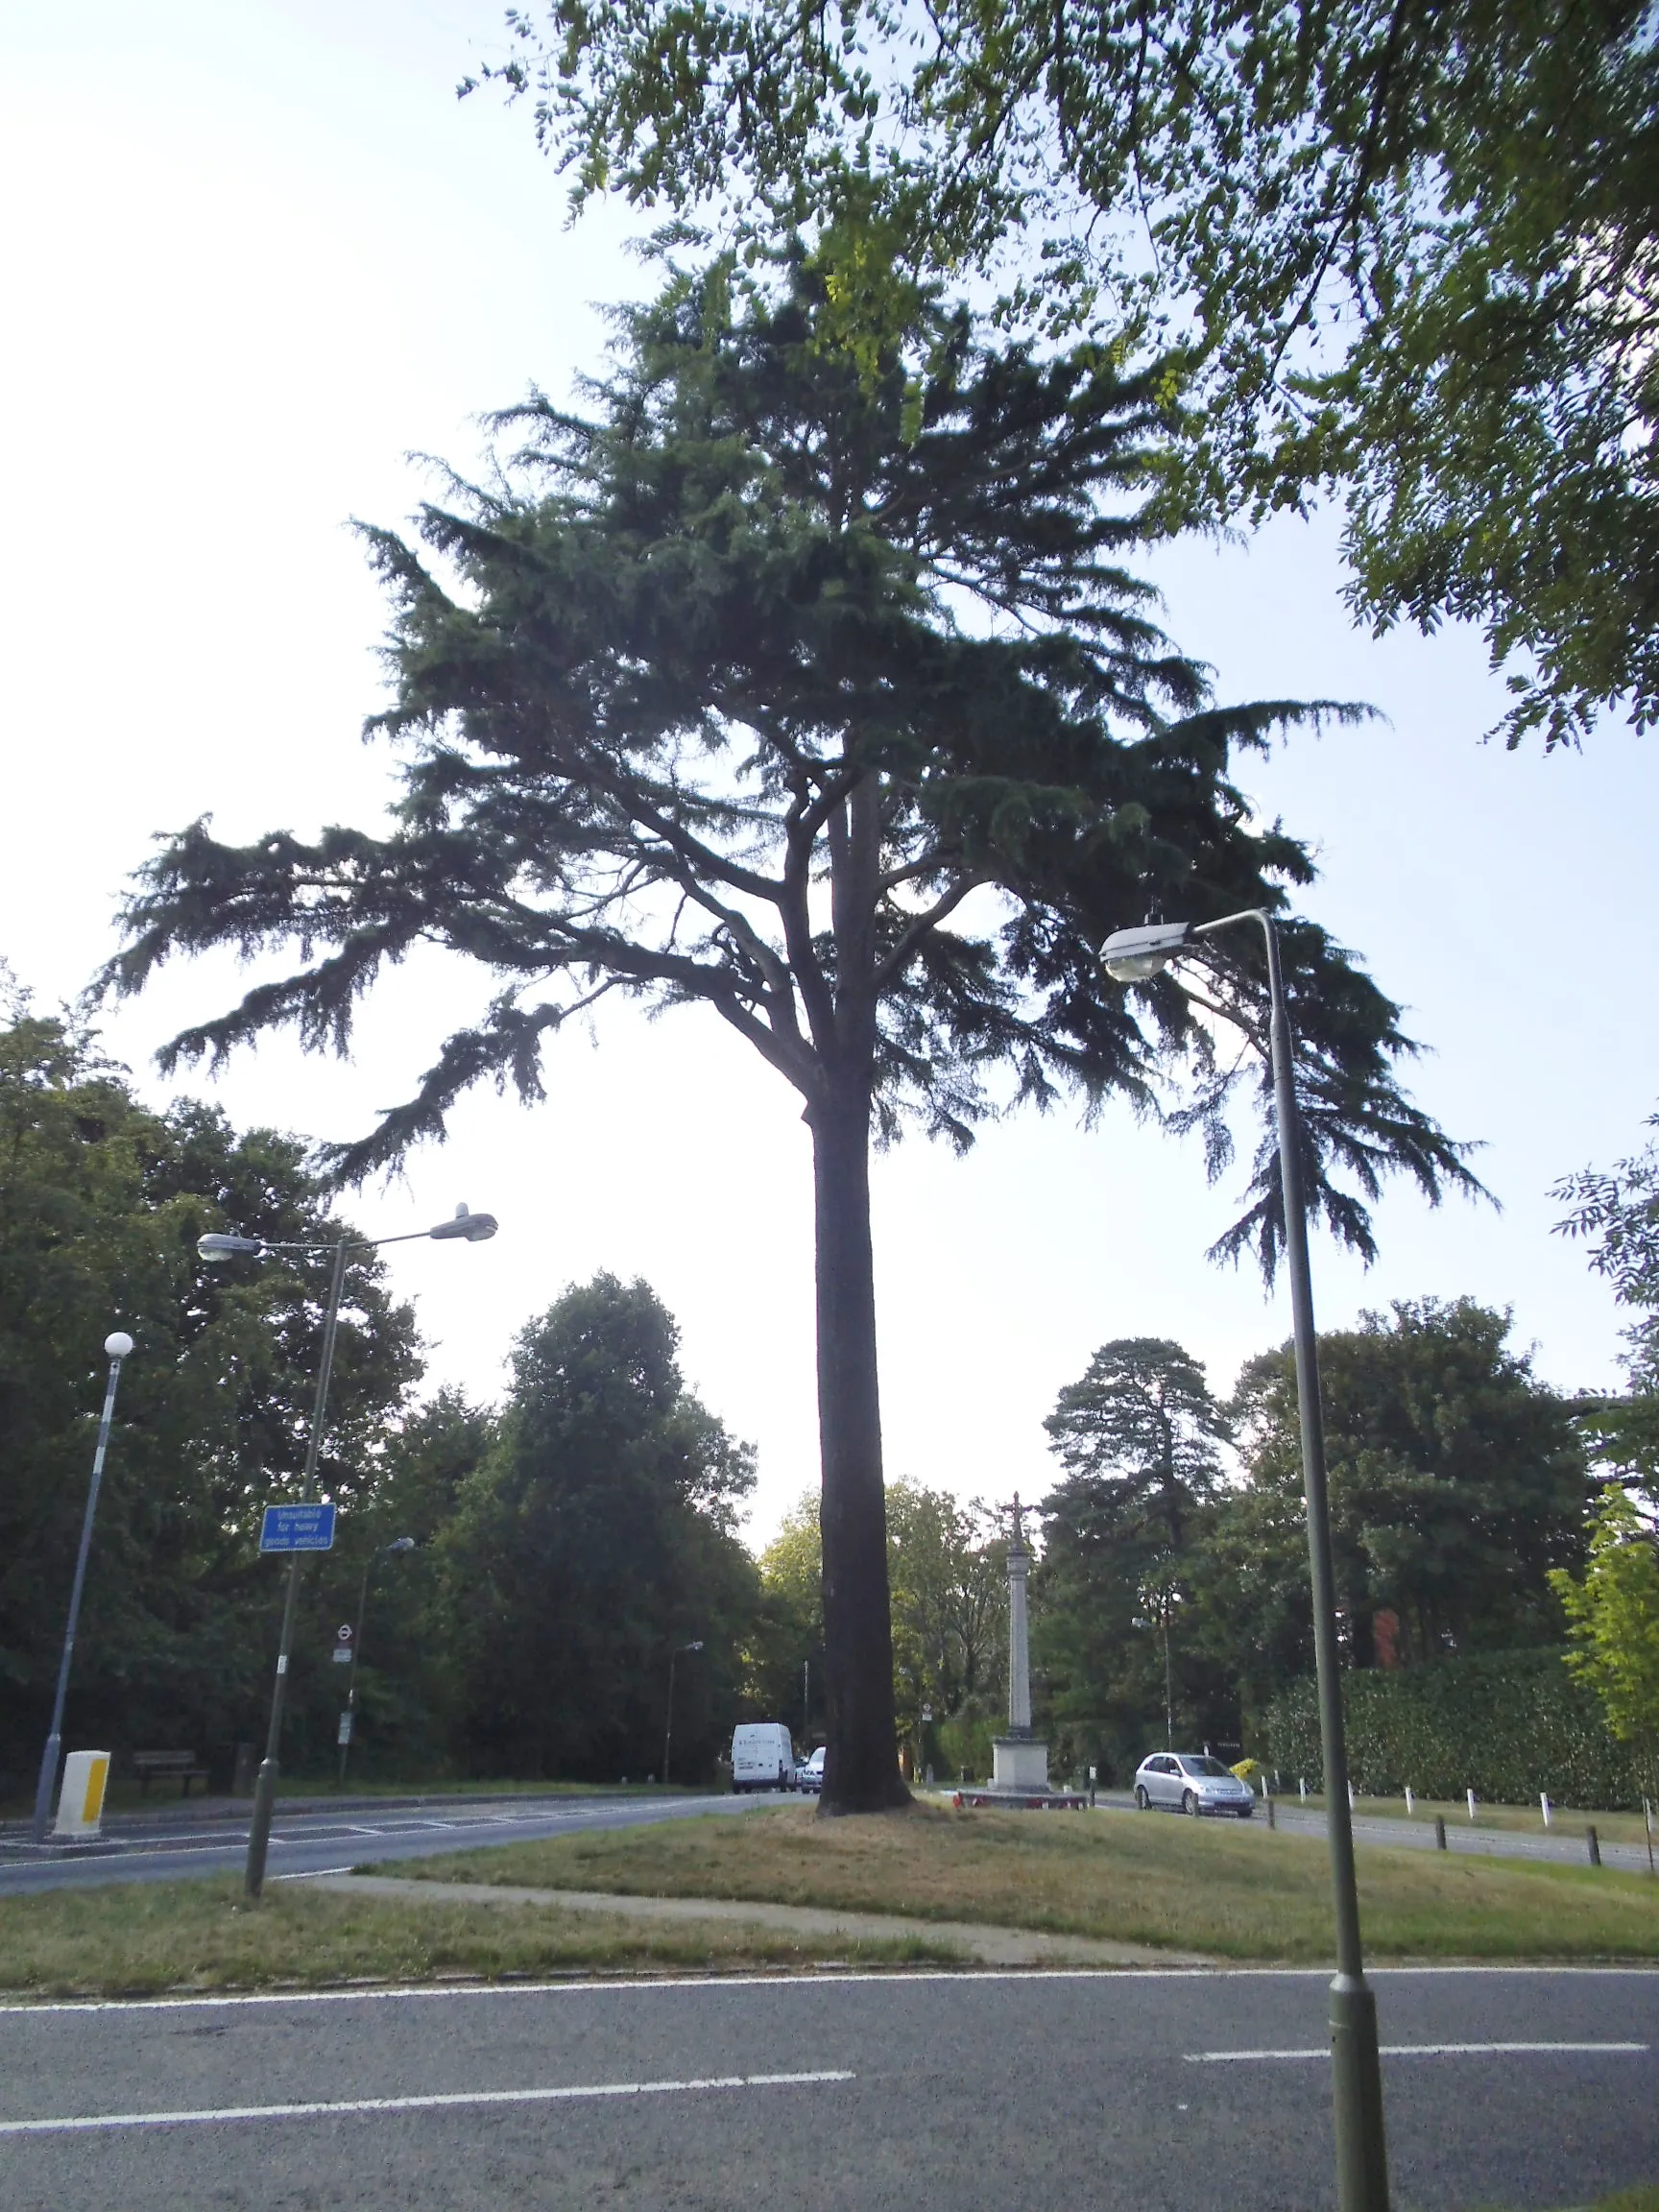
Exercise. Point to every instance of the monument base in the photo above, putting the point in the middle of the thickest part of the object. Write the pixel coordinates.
(1019, 1779)
(1018, 1762)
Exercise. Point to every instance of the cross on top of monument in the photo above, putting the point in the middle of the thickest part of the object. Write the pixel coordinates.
(1017, 1542)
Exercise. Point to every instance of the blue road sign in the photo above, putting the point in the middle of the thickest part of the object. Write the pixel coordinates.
(298, 1529)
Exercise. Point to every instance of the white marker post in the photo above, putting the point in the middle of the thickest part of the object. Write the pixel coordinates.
(81, 1802)
(1544, 1805)
(1469, 1794)
(1408, 1806)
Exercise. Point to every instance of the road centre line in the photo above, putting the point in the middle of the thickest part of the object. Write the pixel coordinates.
(94, 2122)
(1430, 2051)
(652, 1985)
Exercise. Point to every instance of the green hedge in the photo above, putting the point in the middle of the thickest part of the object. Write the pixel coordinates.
(1505, 1726)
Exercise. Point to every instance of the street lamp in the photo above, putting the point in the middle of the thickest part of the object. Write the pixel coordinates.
(1135, 956)
(116, 1347)
(380, 1551)
(669, 1732)
(474, 1229)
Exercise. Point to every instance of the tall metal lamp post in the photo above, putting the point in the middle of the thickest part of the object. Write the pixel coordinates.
(1134, 956)
(473, 1229)
(116, 1347)
(669, 1732)
(398, 1544)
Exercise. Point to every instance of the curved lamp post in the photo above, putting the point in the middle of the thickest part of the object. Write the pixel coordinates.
(669, 1732)
(398, 1544)
(1135, 956)
(473, 1229)
(117, 1346)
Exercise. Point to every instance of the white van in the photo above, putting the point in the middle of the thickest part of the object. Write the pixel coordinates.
(762, 1756)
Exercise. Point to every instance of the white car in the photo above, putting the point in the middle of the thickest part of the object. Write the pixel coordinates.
(1192, 1782)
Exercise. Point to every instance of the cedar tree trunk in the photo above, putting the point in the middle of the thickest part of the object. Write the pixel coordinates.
(862, 1763)
(861, 1757)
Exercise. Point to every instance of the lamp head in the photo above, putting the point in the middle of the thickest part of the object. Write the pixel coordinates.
(1135, 955)
(697, 1646)
(216, 1248)
(475, 1228)
(118, 1345)
(401, 1544)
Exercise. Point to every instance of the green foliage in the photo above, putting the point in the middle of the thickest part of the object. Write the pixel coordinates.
(1404, 246)
(1456, 1485)
(1504, 1724)
(1616, 1213)
(946, 1569)
(595, 1538)
(1613, 1616)
(101, 1203)
(784, 1663)
(1139, 1436)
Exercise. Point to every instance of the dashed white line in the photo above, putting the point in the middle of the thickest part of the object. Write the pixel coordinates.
(91, 2123)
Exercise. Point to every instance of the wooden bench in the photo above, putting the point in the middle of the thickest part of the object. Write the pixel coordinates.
(168, 1766)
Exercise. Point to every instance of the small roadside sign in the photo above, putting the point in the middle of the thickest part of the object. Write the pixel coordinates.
(343, 1643)
(298, 1529)
(345, 1736)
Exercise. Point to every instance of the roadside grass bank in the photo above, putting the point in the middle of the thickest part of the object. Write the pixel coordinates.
(152, 1939)
(1569, 1820)
(1231, 1893)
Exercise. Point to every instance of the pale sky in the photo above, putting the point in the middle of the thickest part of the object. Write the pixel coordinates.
(254, 255)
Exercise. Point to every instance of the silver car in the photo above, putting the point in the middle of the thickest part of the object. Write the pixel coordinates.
(1192, 1782)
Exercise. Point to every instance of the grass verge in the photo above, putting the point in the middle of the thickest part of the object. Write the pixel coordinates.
(135, 1939)
(1235, 1894)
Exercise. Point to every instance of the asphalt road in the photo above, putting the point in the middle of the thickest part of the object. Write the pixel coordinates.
(312, 1842)
(978, 2092)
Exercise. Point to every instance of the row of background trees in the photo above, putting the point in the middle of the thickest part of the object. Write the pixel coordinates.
(569, 1539)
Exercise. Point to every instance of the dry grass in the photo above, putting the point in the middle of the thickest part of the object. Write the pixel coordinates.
(1234, 1892)
(146, 1938)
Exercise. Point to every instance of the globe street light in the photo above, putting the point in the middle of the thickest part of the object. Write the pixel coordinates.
(380, 1551)
(669, 1732)
(473, 1229)
(1135, 956)
(116, 1347)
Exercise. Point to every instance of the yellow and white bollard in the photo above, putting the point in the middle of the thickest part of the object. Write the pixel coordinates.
(81, 1800)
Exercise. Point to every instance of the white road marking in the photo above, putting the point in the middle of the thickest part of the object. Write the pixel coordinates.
(1425, 2050)
(92, 2123)
(424, 1992)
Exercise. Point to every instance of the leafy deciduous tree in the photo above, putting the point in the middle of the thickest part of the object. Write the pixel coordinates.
(1617, 1211)
(595, 1538)
(101, 1203)
(1404, 246)
(1613, 1616)
(1456, 1485)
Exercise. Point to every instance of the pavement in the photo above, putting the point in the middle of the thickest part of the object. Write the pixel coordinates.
(833, 2093)
(970, 1940)
(1564, 1846)
(309, 1839)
